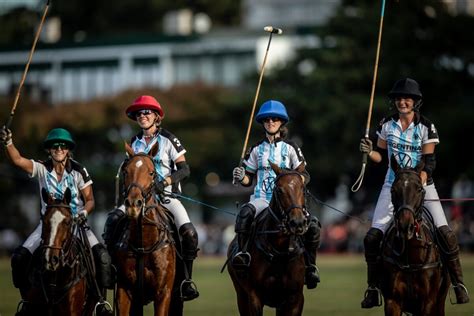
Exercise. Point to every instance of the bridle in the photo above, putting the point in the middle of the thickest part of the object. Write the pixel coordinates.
(283, 216)
(66, 248)
(414, 209)
(146, 192)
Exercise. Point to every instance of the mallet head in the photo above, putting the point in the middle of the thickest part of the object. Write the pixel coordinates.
(273, 30)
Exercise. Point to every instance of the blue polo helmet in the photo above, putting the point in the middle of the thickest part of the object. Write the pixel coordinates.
(272, 108)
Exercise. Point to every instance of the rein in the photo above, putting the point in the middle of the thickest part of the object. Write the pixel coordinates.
(281, 220)
(423, 229)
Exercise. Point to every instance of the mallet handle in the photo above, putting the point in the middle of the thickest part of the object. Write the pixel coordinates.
(27, 66)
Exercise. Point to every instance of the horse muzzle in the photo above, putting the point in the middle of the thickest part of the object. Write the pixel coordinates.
(51, 259)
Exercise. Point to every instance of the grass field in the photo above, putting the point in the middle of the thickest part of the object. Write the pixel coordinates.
(340, 292)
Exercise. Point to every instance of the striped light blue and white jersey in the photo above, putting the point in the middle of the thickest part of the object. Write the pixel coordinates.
(406, 146)
(169, 149)
(75, 177)
(284, 153)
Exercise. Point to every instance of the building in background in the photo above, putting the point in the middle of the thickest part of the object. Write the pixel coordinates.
(187, 53)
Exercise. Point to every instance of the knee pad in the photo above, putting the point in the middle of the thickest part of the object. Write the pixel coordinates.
(447, 241)
(111, 224)
(20, 263)
(245, 218)
(21, 258)
(372, 241)
(189, 241)
(312, 235)
(101, 254)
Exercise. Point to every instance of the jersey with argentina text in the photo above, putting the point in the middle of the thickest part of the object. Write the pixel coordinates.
(283, 153)
(75, 177)
(406, 146)
(169, 149)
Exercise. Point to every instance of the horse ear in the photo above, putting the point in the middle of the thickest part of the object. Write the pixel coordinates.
(154, 150)
(394, 164)
(275, 168)
(301, 168)
(128, 149)
(45, 196)
(67, 196)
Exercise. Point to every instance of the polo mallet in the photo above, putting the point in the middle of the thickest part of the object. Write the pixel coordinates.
(272, 30)
(17, 97)
(358, 183)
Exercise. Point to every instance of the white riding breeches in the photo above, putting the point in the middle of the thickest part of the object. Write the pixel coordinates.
(259, 204)
(383, 213)
(34, 240)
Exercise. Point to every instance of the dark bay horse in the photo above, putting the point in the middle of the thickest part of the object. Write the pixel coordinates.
(59, 282)
(146, 265)
(414, 280)
(276, 274)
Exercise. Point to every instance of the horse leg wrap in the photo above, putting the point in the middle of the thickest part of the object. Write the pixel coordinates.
(21, 262)
(103, 265)
(450, 253)
(113, 228)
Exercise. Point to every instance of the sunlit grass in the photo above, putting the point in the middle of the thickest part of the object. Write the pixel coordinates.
(340, 292)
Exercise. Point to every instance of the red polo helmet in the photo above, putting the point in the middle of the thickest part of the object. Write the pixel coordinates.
(144, 102)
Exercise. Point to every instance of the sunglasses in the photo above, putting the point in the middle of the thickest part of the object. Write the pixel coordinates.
(57, 146)
(143, 112)
(273, 119)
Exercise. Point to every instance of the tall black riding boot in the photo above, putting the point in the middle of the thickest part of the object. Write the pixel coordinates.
(189, 244)
(241, 260)
(103, 265)
(450, 254)
(311, 244)
(113, 228)
(372, 243)
(21, 263)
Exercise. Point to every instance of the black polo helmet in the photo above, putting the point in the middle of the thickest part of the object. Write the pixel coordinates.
(406, 87)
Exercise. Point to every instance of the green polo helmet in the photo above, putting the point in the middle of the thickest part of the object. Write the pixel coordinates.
(59, 135)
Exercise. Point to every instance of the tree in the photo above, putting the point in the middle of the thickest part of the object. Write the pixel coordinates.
(327, 89)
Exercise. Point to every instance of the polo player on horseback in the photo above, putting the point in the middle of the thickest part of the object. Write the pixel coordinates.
(410, 138)
(56, 174)
(171, 169)
(274, 146)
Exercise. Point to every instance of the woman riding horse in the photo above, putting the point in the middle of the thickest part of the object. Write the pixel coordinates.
(171, 169)
(56, 174)
(410, 138)
(414, 279)
(286, 154)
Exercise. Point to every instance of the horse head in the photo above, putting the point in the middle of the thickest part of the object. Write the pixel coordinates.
(57, 228)
(407, 198)
(139, 179)
(289, 199)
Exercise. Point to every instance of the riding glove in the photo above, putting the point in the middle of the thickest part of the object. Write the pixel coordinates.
(5, 136)
(366, 145)
(238, 174)
(160, 187)
(82, 217)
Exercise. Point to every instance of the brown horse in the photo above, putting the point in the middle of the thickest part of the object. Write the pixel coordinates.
(276, 274)
(414, 280)
(59, 283)
(146, 265)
